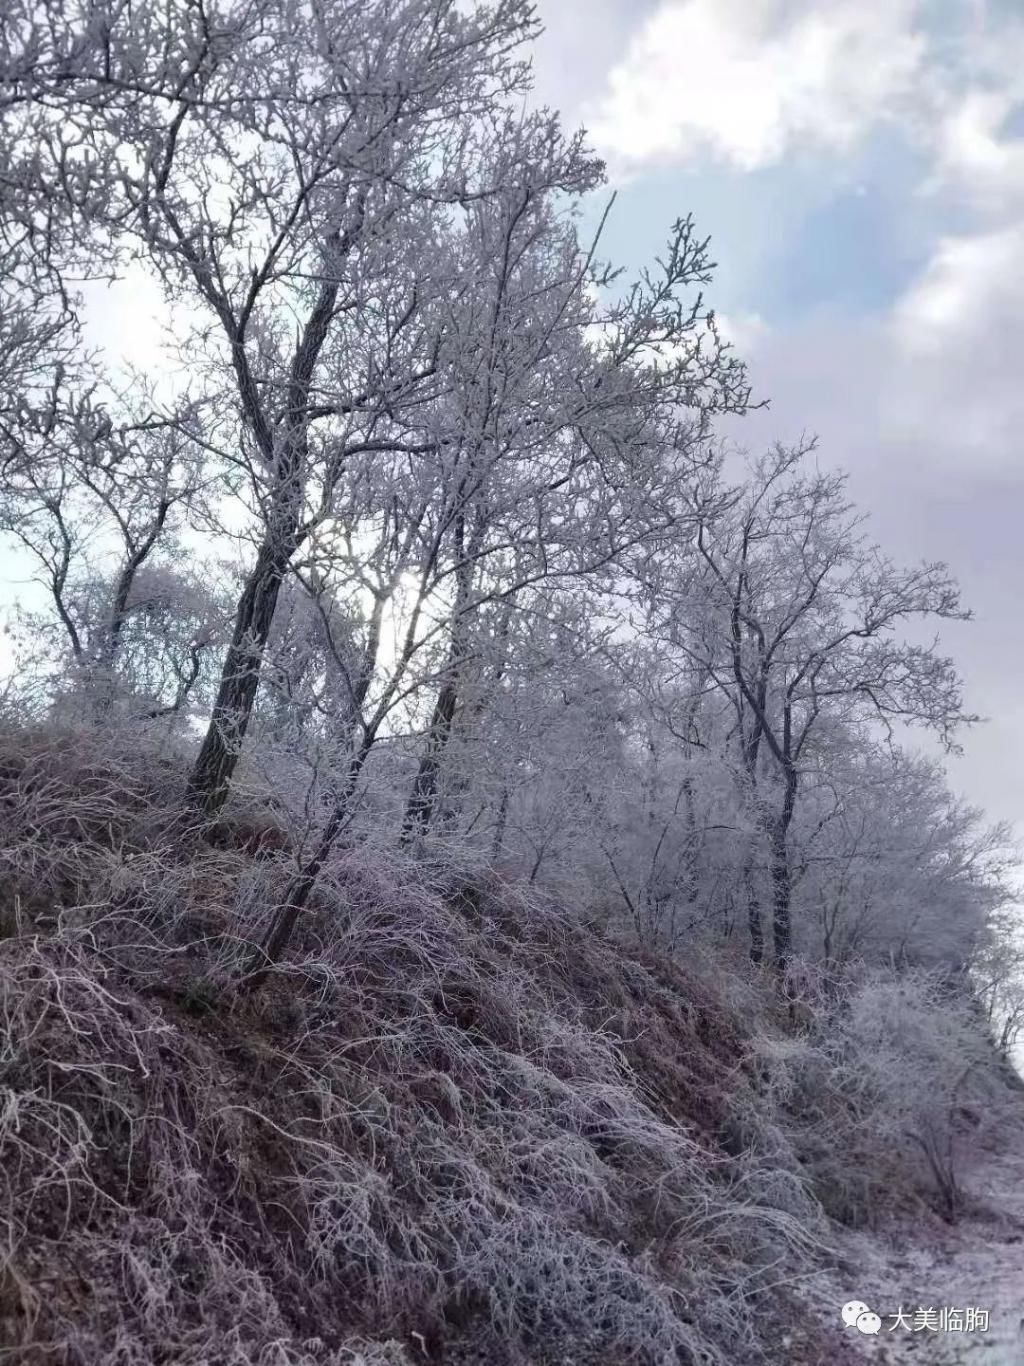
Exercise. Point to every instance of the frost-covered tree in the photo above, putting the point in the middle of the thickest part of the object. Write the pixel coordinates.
(286, 176)
(888, 865)
(495, 594)
(98, 497)
(799, 621)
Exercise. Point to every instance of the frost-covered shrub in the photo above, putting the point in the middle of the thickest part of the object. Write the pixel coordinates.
(878, 1094)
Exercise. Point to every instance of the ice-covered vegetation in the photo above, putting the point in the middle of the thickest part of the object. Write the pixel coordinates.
(467, 890)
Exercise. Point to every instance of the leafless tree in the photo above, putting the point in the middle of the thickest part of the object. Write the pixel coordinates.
(795, 615)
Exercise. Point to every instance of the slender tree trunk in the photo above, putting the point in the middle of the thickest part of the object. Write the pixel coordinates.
(536, 869)
(781, 876)
(754, 925)
(105, 661)
(106, 655)
(498, 845)
(286, 454)
(220, 751)
(419, 810)
(297, 894)
(781, 893)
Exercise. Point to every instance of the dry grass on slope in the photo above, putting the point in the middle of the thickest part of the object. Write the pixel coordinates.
(458, 1128)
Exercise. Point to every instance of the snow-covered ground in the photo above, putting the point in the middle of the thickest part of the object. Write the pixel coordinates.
(977, 1264)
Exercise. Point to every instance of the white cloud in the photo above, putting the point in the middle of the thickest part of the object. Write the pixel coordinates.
(747, 79)
(974, 158)
(927, 390)
(969, 286)
(952, 344)
(743, 331)
(581, 40)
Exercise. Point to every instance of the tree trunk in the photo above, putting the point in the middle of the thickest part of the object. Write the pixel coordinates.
(419, 811)
(298, 891)
(106, 657)
(220, 751)
(754, 924)
(498, 844)
(781, 875)
(286, 454)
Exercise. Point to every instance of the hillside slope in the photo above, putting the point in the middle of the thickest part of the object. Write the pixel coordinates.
(462, 1125)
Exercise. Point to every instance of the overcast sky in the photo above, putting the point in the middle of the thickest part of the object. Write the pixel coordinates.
(859, 166)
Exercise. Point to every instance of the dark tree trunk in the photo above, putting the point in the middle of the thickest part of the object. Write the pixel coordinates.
(498, 845)
(107, 654)
(419, 811)
(754, 924)
(219, 753)
(298, 891)
(781, 928)
(285, 455)
(781, 875)
(137, 556)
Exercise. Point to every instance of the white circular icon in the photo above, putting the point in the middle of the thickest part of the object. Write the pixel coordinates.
(852, 1311)
(869, 1322)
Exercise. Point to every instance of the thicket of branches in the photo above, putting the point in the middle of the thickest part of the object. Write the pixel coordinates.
(425, 527)
(421, 553)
